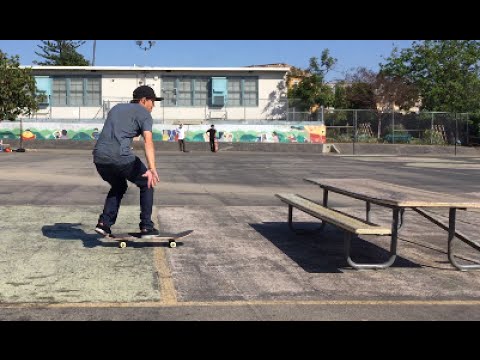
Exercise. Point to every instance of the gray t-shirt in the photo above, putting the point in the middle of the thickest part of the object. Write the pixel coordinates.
(124, 122)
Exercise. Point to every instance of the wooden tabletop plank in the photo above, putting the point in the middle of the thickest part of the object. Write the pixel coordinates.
(385, 193)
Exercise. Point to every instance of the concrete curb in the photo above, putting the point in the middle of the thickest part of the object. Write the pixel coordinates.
(330, 149)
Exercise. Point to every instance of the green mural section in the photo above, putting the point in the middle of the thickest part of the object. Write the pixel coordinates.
(32, 133)
(194, 133)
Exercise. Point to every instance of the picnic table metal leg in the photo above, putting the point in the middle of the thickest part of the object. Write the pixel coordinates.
(290, 216)
(300, 231)
(402, 211)
(395, 227)
(393, 247)
(325, 197)
(368, 206)
(452, 235)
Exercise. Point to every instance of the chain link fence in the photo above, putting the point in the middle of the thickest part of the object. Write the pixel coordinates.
(343, 125)
(368, 126)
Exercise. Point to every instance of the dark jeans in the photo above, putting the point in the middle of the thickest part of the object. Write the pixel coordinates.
(117, 177)
(212, 145)
(181, 144)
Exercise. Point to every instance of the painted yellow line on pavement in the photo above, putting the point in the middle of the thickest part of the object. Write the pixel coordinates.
(171, 303)
(165, 280)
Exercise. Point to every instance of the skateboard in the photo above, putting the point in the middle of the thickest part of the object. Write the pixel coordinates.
(171, 237)
(216, 145)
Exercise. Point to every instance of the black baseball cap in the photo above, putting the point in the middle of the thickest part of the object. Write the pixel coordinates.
(145, 91)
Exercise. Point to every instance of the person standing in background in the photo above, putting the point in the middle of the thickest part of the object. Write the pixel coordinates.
(181, 137)
(212, 132)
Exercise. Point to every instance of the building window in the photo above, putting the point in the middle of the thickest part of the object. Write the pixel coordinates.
(59, 92)
(200, 95)
(250, 92)
(168, 92)
(93, 94)
(76, 91)
(234, 92)
(44, 89)
(242, 91)
(184, 92)
(188, 91)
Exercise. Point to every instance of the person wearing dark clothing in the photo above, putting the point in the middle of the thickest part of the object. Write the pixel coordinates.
(116, 163)
(212, 132)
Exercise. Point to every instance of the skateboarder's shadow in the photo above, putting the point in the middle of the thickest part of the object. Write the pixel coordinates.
(71, 231)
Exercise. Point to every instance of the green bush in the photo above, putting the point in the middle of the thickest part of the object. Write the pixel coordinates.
(367, 139)
(433, 137)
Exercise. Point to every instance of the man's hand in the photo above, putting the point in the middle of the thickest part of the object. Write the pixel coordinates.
(151, 173)
(152, 177)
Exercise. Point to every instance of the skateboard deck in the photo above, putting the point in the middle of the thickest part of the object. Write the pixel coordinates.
(172, 238)
(216, 145)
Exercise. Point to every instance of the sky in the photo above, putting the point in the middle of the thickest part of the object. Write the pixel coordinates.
(222, 53)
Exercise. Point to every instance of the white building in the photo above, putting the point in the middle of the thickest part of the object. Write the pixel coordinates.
(192, 95)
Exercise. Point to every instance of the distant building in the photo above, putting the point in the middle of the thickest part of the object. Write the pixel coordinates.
(192, 94)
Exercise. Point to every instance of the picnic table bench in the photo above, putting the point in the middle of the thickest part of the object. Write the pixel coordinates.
(398, 138)
(389, 195)
(350, 224)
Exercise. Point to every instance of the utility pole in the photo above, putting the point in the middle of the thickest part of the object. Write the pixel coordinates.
(94, 49)
(145, 46)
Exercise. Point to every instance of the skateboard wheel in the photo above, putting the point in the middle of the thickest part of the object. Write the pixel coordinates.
(172, 244)
(123, 244)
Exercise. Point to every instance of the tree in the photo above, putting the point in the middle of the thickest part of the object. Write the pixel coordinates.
(294, 74)
(340, 97)
(17, 89)
(446, 73)
(312, 91)
(371, 90)
(379, 92)
(61, 53)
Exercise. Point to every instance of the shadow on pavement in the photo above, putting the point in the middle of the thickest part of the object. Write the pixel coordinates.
(323, 251)
(70, 231)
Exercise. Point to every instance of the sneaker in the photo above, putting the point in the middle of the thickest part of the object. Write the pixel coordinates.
(148, 233)
(103, 229)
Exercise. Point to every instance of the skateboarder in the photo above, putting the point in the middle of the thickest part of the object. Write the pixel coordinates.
(212, 132)
(116, 163)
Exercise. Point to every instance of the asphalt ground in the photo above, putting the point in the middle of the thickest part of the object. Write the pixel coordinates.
(242, 262)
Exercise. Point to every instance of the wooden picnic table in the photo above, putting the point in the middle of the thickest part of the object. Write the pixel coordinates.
(398, 198)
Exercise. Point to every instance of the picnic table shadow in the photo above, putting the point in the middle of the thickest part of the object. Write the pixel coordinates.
(323, 251)
(73, 231)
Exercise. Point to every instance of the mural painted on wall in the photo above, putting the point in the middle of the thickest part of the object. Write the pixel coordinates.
(45, 132)
(193, 133)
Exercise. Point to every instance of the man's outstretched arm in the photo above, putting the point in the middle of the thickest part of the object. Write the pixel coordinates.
(151, 173)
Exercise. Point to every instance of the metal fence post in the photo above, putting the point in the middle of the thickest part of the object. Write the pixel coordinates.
(288, 115)
(21, 133)
(431, 130)
(355, 123)
(393, 126)
(456, 133)
(468, 130)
